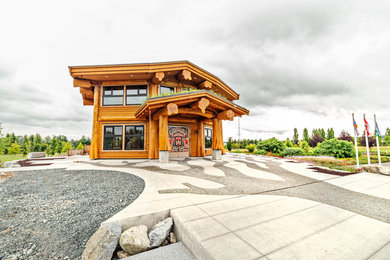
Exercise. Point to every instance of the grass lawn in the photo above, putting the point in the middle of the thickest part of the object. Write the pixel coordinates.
(11, 157)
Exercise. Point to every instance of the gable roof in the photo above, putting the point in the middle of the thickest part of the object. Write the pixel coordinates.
(147, 71)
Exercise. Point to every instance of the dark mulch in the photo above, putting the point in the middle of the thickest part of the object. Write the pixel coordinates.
(329, 171)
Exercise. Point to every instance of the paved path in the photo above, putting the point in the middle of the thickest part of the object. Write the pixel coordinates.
(253, 207)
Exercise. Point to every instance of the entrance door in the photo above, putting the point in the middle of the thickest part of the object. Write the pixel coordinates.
(179, 139)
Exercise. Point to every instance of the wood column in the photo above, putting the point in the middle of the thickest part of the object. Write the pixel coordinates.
(93, 154)
(163, 134)
(217, 142)
(201, 145)
(153, 143)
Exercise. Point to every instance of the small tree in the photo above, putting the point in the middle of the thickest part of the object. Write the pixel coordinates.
(304, 146)
(66, 147)
(288, 143)
(371, 140)
(306, 135)
(316, 140)
(80, 146)
(229, 144)
(15, 148)
(344, 135)
(296, 136)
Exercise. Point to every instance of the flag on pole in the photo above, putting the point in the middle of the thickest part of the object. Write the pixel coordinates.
(367, 126)
(377, 132)
(355, 126)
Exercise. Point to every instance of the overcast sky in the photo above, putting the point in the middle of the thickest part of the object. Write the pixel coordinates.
(295, 63)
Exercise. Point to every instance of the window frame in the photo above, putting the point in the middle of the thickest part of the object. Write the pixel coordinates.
(134, 135)
(136, 95)
(208, 136)
(123, 125)
(104, 95)
(165, 86)
(113, 135)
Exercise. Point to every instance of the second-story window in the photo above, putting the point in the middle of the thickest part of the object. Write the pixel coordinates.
(113, 96)
(135, 95)
(166, 90)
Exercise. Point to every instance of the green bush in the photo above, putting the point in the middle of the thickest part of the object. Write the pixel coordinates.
(235, 146)
(304, 146)
(335, 148)
(293, 151)
(288, 143)
(261, 152)
(229, 144)
(272, 145)
(251, 148)
(15, 148)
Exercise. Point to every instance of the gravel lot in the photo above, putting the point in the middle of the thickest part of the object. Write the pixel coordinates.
(50, 214)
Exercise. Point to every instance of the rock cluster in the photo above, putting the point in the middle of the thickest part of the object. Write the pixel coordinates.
(104, 243)
(377, 169)
(35, 155)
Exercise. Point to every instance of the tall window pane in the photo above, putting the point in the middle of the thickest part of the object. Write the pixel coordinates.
(208, 137)
(134, 137)
(113, 138)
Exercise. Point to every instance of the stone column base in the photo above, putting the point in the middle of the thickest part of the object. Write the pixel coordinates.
(217, 154)
(163, 156)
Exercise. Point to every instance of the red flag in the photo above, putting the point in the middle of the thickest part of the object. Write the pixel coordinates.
(367, 126)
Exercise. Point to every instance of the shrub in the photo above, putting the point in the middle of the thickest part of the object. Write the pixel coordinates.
(304, 146)
(261, 152)
(272, 145)
(336, 148)
(235, 146)
(229, 144)
(292, 151)
(288, 143)
(15, 148)
(251, 148)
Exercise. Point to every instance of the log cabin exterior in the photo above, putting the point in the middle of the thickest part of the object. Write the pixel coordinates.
(155, 110)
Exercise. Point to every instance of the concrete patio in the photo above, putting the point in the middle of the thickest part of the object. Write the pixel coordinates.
(252, 207)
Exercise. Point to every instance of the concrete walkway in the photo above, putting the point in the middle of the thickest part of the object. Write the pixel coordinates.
(252, 207)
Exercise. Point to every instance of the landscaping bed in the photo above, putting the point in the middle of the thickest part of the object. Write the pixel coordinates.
(50, 214)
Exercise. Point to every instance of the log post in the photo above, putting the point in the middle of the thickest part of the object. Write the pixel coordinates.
(153, 145)
(201, 145)
(217, 142)
(202, 104)
(163, 139)
(93, 154)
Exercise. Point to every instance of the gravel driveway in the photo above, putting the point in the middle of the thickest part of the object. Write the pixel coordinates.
(50, 214)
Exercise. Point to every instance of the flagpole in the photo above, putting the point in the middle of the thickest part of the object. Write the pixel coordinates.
(356, 147)
(377, 141)
(368, 150)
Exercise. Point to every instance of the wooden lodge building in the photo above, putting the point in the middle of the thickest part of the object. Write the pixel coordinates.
(155, 110)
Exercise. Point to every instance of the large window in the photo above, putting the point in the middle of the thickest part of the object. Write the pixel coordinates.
(208, 137)
(135, 95)
(134, 137)
(166, 90)
(113, 137)
(113, 96)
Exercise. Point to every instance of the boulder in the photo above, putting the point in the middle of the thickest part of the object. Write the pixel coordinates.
(160, 232)
(135, 240)
(36, 155)
(377, 169)
(103, 243)
(12, 164)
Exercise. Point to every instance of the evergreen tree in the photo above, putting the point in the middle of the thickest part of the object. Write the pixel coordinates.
(60, 146)
(386, 133)
(330, 134)
(322, 133)
(66, 147)
(229, 144)
(80, 146)
(288, 143)
(306, 135)
(25, 145)
(296, 136)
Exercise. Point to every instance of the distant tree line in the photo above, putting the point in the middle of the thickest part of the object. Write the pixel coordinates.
(12, 144)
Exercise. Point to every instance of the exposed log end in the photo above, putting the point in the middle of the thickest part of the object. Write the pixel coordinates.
(184, 75)
(226, 115)
(172, 109)
(202, 104)
(206, 84)
(158, 77)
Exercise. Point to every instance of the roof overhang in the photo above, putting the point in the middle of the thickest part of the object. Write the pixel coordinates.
(146, 71)
(216, 103)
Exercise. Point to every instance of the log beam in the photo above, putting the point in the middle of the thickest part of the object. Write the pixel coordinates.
(184, 75)
(202, 104)
(88, 102)
(201, 145)
(197, 112)
(86, 91)
(158, 77)
(205, 84)
(163, 138)
(78, 83)
(226, 115)
(168, 110)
